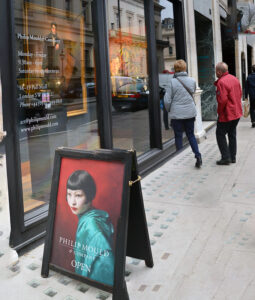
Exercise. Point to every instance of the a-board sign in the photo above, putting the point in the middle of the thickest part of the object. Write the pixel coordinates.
(92, 225)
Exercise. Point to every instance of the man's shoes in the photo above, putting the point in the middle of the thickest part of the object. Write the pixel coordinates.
(223, 162)
(198, 162)
(233, 160)
(253, 124)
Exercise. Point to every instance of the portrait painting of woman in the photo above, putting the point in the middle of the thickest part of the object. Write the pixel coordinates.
(93, 247)
(88, 201)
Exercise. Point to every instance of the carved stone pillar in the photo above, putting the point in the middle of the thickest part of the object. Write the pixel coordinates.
(199, 129)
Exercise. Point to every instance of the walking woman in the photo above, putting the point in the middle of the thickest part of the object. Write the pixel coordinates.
(180, 104)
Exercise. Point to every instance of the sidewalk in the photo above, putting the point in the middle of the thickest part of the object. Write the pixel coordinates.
(202, 231)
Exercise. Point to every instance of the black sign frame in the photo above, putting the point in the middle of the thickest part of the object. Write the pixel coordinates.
(132, 236)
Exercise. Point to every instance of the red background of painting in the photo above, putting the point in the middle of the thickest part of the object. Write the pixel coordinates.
(108, 177)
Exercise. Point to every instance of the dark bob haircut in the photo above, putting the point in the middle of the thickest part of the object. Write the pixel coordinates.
(82, 180)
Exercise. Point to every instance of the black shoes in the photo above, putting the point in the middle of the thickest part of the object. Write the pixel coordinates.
(223, 162)
(253, 124)
(198, 163)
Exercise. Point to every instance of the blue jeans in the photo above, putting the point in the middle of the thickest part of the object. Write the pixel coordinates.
(187, 125)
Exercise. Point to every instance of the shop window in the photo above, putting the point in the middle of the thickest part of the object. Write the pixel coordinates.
(129, 75)
(117, 20)
(48, 6)
(140, 26)
(68, 5)
(129, 21)
(166, 45)
(206, 69)
(56, 91)
(170, 50)
(68, 8)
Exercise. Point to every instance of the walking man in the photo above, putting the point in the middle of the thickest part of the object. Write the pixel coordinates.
(229, 94)
(250, 90)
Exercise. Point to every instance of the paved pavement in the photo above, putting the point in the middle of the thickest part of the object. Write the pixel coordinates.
(202, 231)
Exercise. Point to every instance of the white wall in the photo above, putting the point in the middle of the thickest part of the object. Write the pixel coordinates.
(191, 45)
(217, 43)
(241, 46)
(203, 7)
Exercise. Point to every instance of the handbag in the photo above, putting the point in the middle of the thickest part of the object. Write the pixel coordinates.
(191, 94)
(246, 108)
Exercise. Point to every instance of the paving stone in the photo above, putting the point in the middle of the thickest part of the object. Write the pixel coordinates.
(82, 288)
(201, 227)
(33, 283)
(50, 292)
(33, 266)
(102, 296)
(15, 268)
(64, 280)
(70, 298)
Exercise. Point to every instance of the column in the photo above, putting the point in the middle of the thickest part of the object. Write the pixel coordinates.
(192, 63)
(216, 31)
(2, 133)
(10, 255)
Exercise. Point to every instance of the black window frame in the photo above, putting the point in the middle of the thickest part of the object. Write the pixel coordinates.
(25, 230)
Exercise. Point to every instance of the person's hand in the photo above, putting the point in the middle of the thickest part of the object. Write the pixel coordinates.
(57, 46)
(162, 92)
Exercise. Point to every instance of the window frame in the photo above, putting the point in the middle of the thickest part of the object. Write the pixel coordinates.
(25, 230)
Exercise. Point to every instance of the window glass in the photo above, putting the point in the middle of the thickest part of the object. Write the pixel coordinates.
(206, 69)
(56, 92)
(129, 75)
(166, 55)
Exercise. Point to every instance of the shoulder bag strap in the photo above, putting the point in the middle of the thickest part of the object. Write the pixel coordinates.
(186, 88)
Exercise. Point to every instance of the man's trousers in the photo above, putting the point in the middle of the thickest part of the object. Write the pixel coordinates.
(227, 150)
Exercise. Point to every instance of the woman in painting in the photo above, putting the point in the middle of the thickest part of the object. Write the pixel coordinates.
(94, 256)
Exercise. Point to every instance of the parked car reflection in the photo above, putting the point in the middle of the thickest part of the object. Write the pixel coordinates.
(74, 90)
(131, 96)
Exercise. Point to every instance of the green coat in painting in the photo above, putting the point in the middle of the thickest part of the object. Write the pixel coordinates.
(94, 256)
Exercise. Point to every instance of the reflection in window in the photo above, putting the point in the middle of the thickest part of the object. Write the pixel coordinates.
(129, 77)
(165, 41)
(55, 87)
(117, 19)
(170, 50)
(140, 27)
(49, 5)
(129, 24)
(68, 5)
(68, 8)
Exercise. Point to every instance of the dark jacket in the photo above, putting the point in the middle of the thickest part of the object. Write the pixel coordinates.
(229, 95)
(250, 86)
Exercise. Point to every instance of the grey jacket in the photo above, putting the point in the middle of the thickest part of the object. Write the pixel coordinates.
(178, 102)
